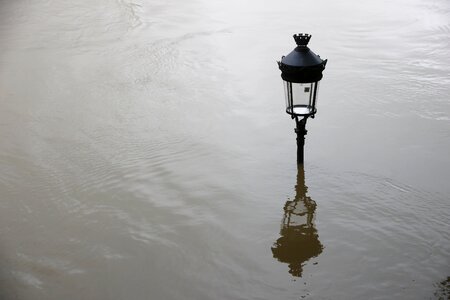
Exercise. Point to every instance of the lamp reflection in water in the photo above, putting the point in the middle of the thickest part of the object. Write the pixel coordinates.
(299, 239)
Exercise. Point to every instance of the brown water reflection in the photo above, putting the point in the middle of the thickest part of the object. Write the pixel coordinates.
(443, 289)
(299, 241)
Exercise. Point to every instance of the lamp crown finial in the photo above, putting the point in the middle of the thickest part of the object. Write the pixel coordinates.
(302, 39)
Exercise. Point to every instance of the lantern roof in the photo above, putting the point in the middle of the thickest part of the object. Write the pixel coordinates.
(302, 65)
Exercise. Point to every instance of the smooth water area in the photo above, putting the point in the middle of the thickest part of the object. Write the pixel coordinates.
(146, 154)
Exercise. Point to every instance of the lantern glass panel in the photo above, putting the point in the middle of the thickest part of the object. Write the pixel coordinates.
(300, 98)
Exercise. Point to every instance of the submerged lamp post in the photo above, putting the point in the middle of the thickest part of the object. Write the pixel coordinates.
(301, 71)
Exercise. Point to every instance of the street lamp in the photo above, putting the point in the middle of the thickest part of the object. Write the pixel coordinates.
(301, 71)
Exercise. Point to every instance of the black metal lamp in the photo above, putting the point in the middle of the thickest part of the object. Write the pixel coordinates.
(301, 71)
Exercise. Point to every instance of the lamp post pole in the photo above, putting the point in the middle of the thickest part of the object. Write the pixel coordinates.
(301, 131)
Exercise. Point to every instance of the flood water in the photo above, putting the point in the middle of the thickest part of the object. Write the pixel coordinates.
(145, 151)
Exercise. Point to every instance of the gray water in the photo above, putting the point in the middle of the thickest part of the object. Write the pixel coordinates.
(145, 152)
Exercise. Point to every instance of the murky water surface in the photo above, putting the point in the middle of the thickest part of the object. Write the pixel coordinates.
(145, 152)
